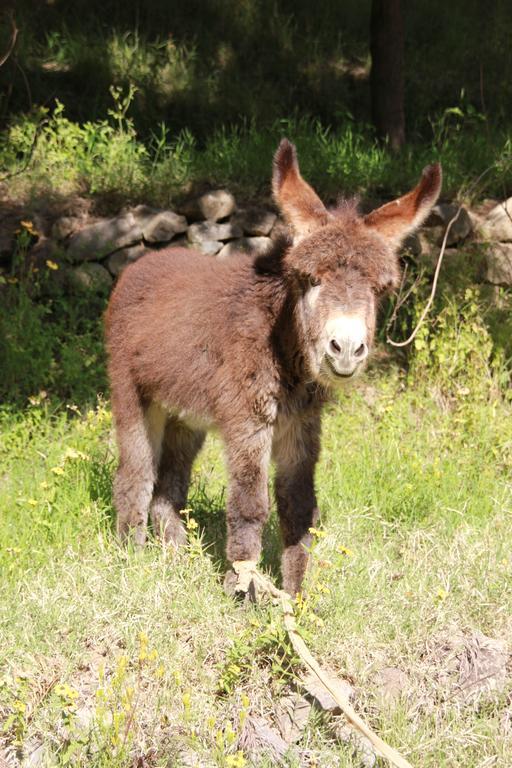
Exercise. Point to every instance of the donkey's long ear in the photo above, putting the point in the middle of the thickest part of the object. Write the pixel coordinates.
(397, 219)
(299, 204)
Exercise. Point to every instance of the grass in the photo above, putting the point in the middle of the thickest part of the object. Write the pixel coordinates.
(108, 160)
(112, 657)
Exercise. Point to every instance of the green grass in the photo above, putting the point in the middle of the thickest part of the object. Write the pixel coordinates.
(108, 160)
(110, 656)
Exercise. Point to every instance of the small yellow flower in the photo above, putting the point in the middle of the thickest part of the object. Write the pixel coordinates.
(191, 524)
(28, 225)
(32, 502)
(186, 699)
(44, 484)
(344, 551)
(442, 594)
(159, 671)
(51, 264)
(236, 761)
(317, 532)
(57, 470)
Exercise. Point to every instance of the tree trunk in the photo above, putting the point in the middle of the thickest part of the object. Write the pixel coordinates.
(387, 73)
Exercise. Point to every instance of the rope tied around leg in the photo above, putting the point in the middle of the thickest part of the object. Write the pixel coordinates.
(250, 578)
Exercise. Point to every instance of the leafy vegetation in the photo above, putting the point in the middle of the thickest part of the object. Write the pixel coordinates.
(106, 158)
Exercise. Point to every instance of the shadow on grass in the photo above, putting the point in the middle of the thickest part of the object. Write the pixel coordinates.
(209, 510)
(101, 476)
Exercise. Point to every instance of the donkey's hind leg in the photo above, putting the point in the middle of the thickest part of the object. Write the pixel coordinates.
(179, 448)
(139, 435)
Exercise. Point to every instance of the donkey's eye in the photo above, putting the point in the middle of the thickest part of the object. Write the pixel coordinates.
(313, 281)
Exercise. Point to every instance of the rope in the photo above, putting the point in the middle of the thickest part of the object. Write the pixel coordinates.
(248, 573)
(432, 292)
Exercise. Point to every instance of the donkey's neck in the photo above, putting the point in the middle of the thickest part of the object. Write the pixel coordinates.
(287, 333)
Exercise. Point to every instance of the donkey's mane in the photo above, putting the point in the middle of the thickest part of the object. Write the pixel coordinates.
(346, 209)
(271, 262)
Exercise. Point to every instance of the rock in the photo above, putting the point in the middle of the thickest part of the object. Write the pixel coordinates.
(179, 242)
(469, 668)
(259, 738)
(498, 223)
(292, 716)
(441, 216)
(255, 221)
(117, 261)
(391, 683)
(216, 205)
(320, 697)
(211, 231)
(254, 246)
(89, 277)
(498, 264)
(65, 226)
(100, 239)
(412, 245)
(362, 748)
(163, 226)
(209, 247)
(34, 754)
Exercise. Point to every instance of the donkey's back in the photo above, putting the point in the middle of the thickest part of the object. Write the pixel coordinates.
(184, 330)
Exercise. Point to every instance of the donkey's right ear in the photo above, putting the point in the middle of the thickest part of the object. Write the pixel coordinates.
(298, 202)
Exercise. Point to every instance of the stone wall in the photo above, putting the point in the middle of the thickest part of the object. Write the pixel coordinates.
(91, 252)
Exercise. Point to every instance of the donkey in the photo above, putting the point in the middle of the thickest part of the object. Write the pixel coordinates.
(250, 347)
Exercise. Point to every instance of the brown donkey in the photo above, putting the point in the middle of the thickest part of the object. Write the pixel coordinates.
(251, 348)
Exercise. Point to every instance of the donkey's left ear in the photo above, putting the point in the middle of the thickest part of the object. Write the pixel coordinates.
(399, 218)
(298, 202)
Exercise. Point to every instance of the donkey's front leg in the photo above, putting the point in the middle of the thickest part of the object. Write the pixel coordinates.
(296, 452)
(248, 503)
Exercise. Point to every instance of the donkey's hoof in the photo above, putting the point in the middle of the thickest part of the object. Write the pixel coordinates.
(240, 586)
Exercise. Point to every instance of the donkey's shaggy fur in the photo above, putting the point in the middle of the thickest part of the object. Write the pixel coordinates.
(249, 347)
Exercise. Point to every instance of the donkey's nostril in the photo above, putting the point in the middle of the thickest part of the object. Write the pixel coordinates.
(335, 347)
(360, 351)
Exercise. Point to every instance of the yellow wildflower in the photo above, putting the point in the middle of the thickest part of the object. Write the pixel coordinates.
(57, 470)
(317, 532)
(51, 264)
(29, 227)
